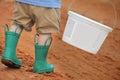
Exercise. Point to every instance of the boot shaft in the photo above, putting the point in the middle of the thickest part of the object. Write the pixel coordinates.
(41, 51)
(11, 40)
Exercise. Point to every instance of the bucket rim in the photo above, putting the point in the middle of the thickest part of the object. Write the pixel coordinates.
(90, 20)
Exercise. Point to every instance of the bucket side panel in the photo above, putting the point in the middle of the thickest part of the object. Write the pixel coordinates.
(69, 27)
(84, 36)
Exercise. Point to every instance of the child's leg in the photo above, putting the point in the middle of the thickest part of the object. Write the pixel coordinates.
(9, 57)
(47, 22)
(14, 27)
(42, 38)
(41, 50)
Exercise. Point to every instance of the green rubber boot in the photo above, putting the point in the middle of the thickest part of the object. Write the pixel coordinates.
(41, 65)
(9, 57)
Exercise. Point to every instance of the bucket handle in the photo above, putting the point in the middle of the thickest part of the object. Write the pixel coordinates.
(113, 6)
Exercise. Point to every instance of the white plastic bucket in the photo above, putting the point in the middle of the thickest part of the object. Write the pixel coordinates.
(85, 33)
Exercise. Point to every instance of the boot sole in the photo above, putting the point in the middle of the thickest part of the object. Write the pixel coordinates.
(10, 64)
(41, 72)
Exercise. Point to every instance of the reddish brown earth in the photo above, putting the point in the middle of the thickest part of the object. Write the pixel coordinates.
(70, 63)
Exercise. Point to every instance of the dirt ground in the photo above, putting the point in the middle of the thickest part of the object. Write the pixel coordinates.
(70, 63)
